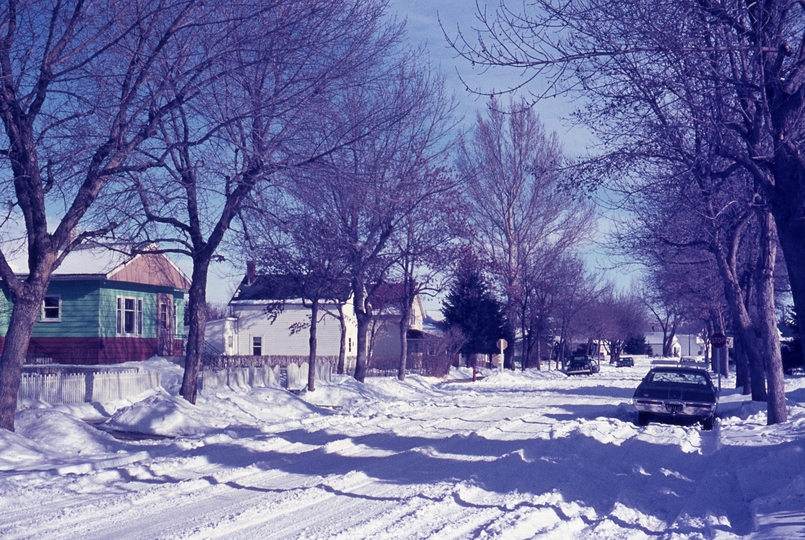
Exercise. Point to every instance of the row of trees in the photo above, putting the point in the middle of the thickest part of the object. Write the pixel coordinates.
(698, 106)
(584, 312)
(166, 121)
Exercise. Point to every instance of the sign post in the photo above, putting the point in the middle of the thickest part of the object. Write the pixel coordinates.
(502, 345)
(719, 342)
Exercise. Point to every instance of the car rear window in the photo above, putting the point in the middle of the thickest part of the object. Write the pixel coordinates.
(679, 377)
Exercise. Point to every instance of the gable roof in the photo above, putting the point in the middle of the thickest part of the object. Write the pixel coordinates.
(656, 338)
(275, 287)
(96, 262)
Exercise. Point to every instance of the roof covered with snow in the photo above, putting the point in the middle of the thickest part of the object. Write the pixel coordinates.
(115, 264)
(275, 287)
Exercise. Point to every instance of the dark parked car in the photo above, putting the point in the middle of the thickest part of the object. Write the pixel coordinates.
(582, 365)
(625, 361)
(676, 393)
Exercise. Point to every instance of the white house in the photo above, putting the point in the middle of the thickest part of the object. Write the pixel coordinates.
(385, 330)
(691, 345)
(654, 340)
(270, 317)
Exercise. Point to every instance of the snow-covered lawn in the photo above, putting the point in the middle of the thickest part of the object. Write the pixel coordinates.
(514, 455)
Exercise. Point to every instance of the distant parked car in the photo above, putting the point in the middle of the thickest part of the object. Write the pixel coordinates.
(676, 393)
(625, 361)
(581, 365)
(693, 361)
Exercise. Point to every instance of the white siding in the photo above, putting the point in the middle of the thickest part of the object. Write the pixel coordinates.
(386, 331)
(278, 338)
(386, 336)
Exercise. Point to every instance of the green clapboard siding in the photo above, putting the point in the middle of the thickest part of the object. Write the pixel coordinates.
(79, 310)
(89, 308)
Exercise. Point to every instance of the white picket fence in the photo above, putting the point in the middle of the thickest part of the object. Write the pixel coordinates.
(88, 386)
(238, 378)
(95, 385)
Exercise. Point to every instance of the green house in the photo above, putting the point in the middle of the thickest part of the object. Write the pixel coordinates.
(104, 307)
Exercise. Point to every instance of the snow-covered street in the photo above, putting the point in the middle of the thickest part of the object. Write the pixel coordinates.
(514, 455)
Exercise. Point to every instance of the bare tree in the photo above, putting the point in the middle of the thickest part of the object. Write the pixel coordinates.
(369, 187)
(297, 247)
(84, 86)
(663, 299)
(423, 247)
(520, 215)
(544, 292)
(580, 292)
(745, 58)
(613, 319)
(689, 228)
(290, 60)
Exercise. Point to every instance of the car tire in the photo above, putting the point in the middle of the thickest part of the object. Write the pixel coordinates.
(707, 423)
(642, 418)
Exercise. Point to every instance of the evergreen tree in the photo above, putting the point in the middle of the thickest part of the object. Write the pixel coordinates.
(637, 345)
(471, 309)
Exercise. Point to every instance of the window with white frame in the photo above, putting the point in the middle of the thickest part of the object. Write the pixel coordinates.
(163, 314)
(51, 309)
(257, 346)
(129, 319)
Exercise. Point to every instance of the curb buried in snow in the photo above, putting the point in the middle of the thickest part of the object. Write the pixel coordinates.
(83, 468)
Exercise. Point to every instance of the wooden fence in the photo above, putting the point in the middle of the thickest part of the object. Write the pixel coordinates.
(73, 385)
(231, 372)
(426, 365)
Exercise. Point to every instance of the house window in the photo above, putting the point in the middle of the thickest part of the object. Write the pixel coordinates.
(51, 309)
(139, 313)
(163, 315)
(257, 346)
(349, 345)
(129, 320)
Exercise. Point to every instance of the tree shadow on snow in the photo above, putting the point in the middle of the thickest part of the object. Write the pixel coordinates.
(656, 479)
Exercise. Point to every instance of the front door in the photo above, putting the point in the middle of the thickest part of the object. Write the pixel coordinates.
(164, 324)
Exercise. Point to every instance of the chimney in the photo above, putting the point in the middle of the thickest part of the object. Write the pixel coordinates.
(250, 272)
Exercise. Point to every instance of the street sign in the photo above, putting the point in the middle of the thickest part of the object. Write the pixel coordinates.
(502, 344)
(718, 339)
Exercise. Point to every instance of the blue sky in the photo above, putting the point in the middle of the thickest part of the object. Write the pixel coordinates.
(423, 29)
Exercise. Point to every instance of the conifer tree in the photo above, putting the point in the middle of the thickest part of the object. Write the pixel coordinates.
(471, 309)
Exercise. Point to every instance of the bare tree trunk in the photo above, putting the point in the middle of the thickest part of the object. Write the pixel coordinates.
(508, 352)
(197, 322)
(342, 347)
(311, 359)
(525, 347)
(757, 380)
(18, 337)
(769, 339)
(405, 324)
(362, 352)
(788, 195)
(615, 351)
(364, 318)
(539, 354)
(792, 233)
(759, 337)
(743, 377)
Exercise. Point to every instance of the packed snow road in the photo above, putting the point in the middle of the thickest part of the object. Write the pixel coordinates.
(515, 455)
